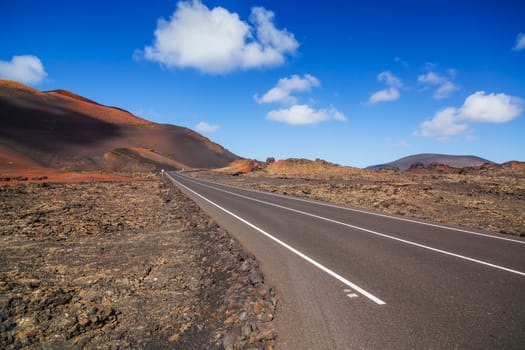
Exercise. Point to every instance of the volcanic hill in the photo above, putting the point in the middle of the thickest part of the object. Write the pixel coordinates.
(428, 158)
(62, 130)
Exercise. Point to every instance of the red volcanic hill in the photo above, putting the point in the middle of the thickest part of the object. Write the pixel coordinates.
(62, 130)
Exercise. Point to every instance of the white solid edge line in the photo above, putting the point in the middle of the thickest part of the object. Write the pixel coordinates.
(369, 231)
(363, 211)
(290, 248)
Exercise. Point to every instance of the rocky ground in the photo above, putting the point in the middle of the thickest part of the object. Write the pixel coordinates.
(487, 199)
(124, 265)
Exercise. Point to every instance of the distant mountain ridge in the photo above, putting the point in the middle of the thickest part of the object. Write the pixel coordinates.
(62, 130)
(455, 161)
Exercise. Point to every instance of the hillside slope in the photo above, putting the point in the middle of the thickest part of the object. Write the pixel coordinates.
(60, 129)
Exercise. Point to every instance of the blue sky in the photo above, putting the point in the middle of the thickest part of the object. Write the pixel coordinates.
(357, 83)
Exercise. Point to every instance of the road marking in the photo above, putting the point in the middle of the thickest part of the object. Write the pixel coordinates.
(366, 212)
(367, 230)
(290, 248)
(349, 293)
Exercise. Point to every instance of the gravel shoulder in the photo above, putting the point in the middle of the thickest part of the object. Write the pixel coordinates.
(124, 265)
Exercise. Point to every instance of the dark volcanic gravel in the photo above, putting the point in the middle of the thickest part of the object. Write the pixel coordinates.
(124, 265)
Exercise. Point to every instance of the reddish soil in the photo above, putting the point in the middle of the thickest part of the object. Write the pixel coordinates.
(514, 165)
(242, 166)
(15, 169)
(10, 159)
(148, 154)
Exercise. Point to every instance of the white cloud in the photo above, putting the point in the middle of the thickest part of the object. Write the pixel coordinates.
(444, 90)
(389, 79)
(26, 69)
(431, 78)
(490, 108)
(390, 94)
(268, 35)
(206, 128)
(281, 92)
(444, 124)
(520, 42)
(297, 114)
(218, 41)
(304, 114)
(477, 108)
(444, 84)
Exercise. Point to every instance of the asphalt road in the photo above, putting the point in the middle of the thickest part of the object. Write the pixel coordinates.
(353, 279)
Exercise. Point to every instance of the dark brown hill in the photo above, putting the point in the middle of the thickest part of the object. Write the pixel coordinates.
(427, 159)
(60, 129)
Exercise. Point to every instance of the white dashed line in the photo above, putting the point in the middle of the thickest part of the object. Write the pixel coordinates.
(481, 262)
(290, 248)
(370, 213)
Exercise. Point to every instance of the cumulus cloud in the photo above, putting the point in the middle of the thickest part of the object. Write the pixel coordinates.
(430, 78)
(479, 107)
(443, 83)
(206, 128)
(26, 69)
(444, 124)
(520, 42)
(304, 114)
(389, 94)
(281, 92)
(297, 114)
(389, 79)
(217, 41)
(444, 90)
(268, 35)
(490, 108)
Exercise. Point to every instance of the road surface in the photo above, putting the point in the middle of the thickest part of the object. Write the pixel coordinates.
(352, 279)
